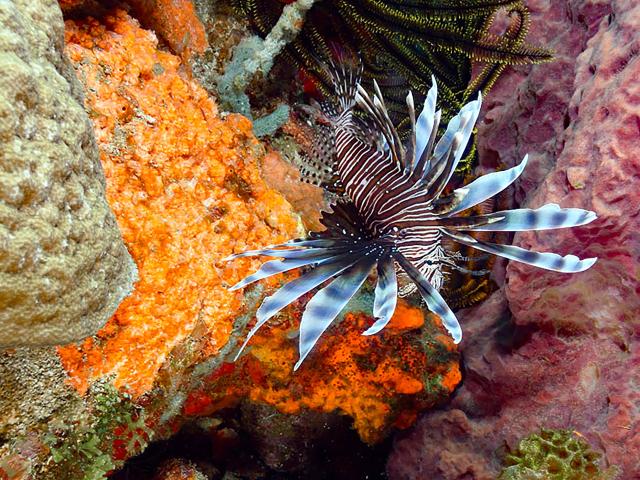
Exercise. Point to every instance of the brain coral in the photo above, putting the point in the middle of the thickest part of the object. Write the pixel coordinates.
(554, 455)
(63, 266)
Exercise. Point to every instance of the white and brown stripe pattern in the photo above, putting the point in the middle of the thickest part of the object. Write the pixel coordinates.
(391, 216)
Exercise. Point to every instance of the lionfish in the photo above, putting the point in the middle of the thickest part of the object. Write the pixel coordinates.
(391, 214)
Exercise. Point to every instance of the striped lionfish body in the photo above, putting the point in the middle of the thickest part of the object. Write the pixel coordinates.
(391, 215)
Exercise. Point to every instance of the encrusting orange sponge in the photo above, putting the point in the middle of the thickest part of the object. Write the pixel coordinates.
(186, 191)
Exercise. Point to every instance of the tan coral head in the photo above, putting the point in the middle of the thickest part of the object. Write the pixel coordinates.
(63, 265)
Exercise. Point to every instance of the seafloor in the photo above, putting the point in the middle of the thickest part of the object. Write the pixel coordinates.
(139, 148)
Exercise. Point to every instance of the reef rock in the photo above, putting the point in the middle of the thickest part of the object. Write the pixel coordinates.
(186, 188)
(551, 350)
(63, 265)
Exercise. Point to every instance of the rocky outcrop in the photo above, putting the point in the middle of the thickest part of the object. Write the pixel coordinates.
(551, 350)
(63, 265)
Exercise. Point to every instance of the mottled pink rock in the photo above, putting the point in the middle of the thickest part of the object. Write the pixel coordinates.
(527, 109)
(556, 350)
(519, 380)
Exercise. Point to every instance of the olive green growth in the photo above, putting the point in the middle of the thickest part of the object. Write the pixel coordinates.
(88, 448)
(555, 455)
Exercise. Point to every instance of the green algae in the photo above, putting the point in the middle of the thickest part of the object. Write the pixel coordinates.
(90, 448)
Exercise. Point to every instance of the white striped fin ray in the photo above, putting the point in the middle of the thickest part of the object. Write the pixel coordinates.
(386, 295)
(481, 189)
(275, 267)
(546, 260)
(294, 289)
(377, 111)
(547, 217)
(312, 241)
(325, 305)
(410, 149)
(434, 300)
(449, 149)
(345, 76)
(425, 131)
(292, 253)
(436, 179)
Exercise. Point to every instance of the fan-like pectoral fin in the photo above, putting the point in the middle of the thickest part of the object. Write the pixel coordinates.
(274, 267)
(289, 253)
(548, 261)
(325, 306)
(293, 290)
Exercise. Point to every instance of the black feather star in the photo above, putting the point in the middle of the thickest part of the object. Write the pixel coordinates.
(404, 42)
(392, 215)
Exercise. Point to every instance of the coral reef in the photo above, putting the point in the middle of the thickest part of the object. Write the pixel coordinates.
(63, 265)
(186, 191)
(554, 455)
(362, 393)
(550, 351)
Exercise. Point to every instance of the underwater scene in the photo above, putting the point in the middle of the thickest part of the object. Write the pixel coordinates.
(320, 239)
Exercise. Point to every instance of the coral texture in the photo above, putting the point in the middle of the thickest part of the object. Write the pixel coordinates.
(557, 351)
(175, 21)
(32, 391)
(554, 455)
(305, 198)
(63, 266)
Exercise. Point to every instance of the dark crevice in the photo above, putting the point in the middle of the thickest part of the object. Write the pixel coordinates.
(232, 450)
